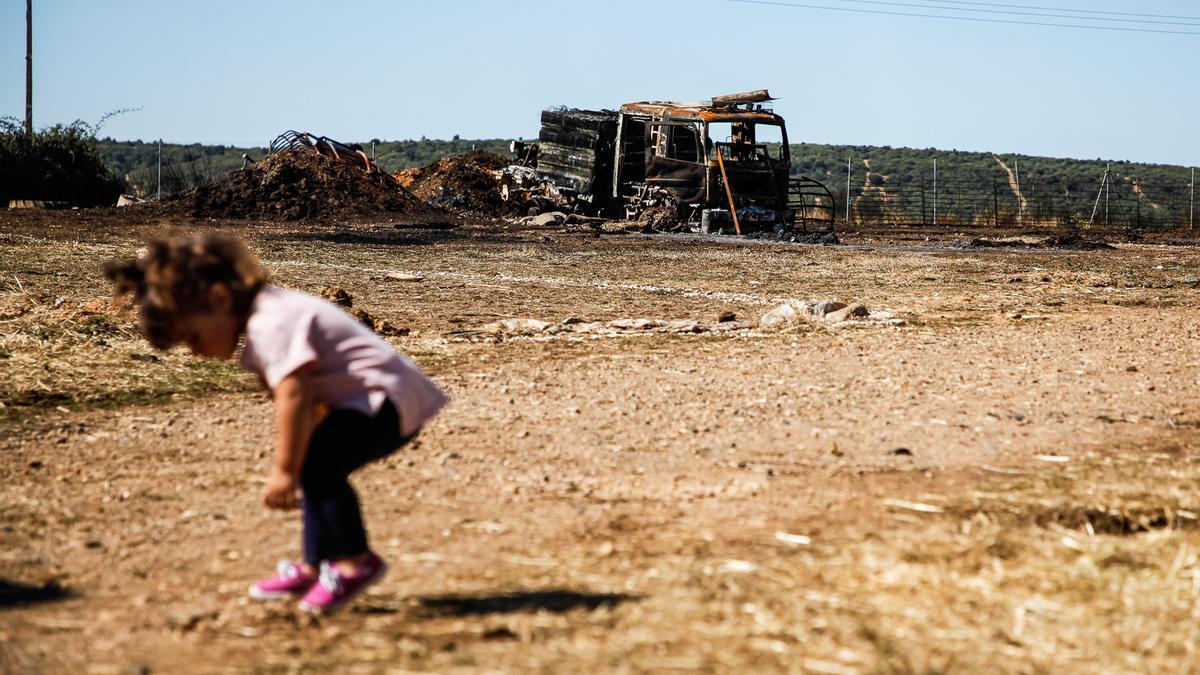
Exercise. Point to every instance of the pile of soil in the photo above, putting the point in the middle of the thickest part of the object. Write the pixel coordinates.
(297, 185)
(462, 183)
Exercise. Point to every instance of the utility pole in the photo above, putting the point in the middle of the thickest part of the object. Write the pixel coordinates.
(848, 159)
(160, 169)
(29, 68)
(935, 194)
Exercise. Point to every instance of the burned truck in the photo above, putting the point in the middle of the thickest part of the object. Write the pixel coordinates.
(717, 166)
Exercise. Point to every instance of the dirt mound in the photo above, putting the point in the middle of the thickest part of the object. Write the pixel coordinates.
(462, 183)
(295, 185)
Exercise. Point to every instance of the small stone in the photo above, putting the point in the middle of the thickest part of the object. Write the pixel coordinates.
(900, 452)
(1131, 369)
(519, 326)
(783, 314)
(823, 308)
(726, 317)
(36, 464)
(848, 313)
(548, 219)
(401, 276)
(187, 618)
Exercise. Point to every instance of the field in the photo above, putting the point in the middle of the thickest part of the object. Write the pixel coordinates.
(1005, 480)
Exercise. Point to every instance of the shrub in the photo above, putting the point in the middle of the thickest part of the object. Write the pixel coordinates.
(60, 163)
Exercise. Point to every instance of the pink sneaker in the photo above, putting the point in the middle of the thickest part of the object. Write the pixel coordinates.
(289, 581)
(334, 589)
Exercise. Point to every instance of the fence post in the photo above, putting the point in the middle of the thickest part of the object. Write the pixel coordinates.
(923, 220)
(935, 194)
(848, 191)
(1192, 201)
(995, 205)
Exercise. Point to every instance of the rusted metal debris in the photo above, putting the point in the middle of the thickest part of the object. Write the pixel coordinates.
(323, 145)
(651, 154)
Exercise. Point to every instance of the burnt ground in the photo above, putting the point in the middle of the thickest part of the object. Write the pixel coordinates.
(1004, 483)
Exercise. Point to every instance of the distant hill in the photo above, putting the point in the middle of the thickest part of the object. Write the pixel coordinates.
(886, 184)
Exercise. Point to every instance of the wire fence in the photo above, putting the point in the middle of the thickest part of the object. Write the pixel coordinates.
(999, 204)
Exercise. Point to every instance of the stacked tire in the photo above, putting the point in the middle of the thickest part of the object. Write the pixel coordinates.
(575, 150)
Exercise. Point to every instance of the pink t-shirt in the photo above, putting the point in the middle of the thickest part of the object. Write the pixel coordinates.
(352, 367)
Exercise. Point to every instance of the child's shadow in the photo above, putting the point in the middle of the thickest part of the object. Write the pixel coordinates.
(14, 593)
(505, 603)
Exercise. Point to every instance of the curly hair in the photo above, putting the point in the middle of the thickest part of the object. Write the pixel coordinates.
(173, 276)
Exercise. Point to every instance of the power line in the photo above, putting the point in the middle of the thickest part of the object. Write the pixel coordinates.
(1065, 9)
(964, 18)
(1014, 13)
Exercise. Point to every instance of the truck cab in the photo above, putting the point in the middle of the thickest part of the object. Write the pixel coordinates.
(693, 151)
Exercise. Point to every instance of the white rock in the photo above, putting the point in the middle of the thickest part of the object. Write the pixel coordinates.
(548, 219)
(788, 312)
(521, 326)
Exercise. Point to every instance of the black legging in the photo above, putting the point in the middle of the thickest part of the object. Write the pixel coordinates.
(341, 443)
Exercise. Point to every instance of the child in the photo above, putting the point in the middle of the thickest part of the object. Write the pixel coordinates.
(208, 291)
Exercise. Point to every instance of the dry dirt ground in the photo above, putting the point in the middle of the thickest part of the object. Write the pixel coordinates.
(1004, 483)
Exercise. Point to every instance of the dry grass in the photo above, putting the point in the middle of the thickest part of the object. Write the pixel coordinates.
(72, 354)
(1091, 568)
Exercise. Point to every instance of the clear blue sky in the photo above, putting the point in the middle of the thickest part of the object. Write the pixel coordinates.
(241, 72)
